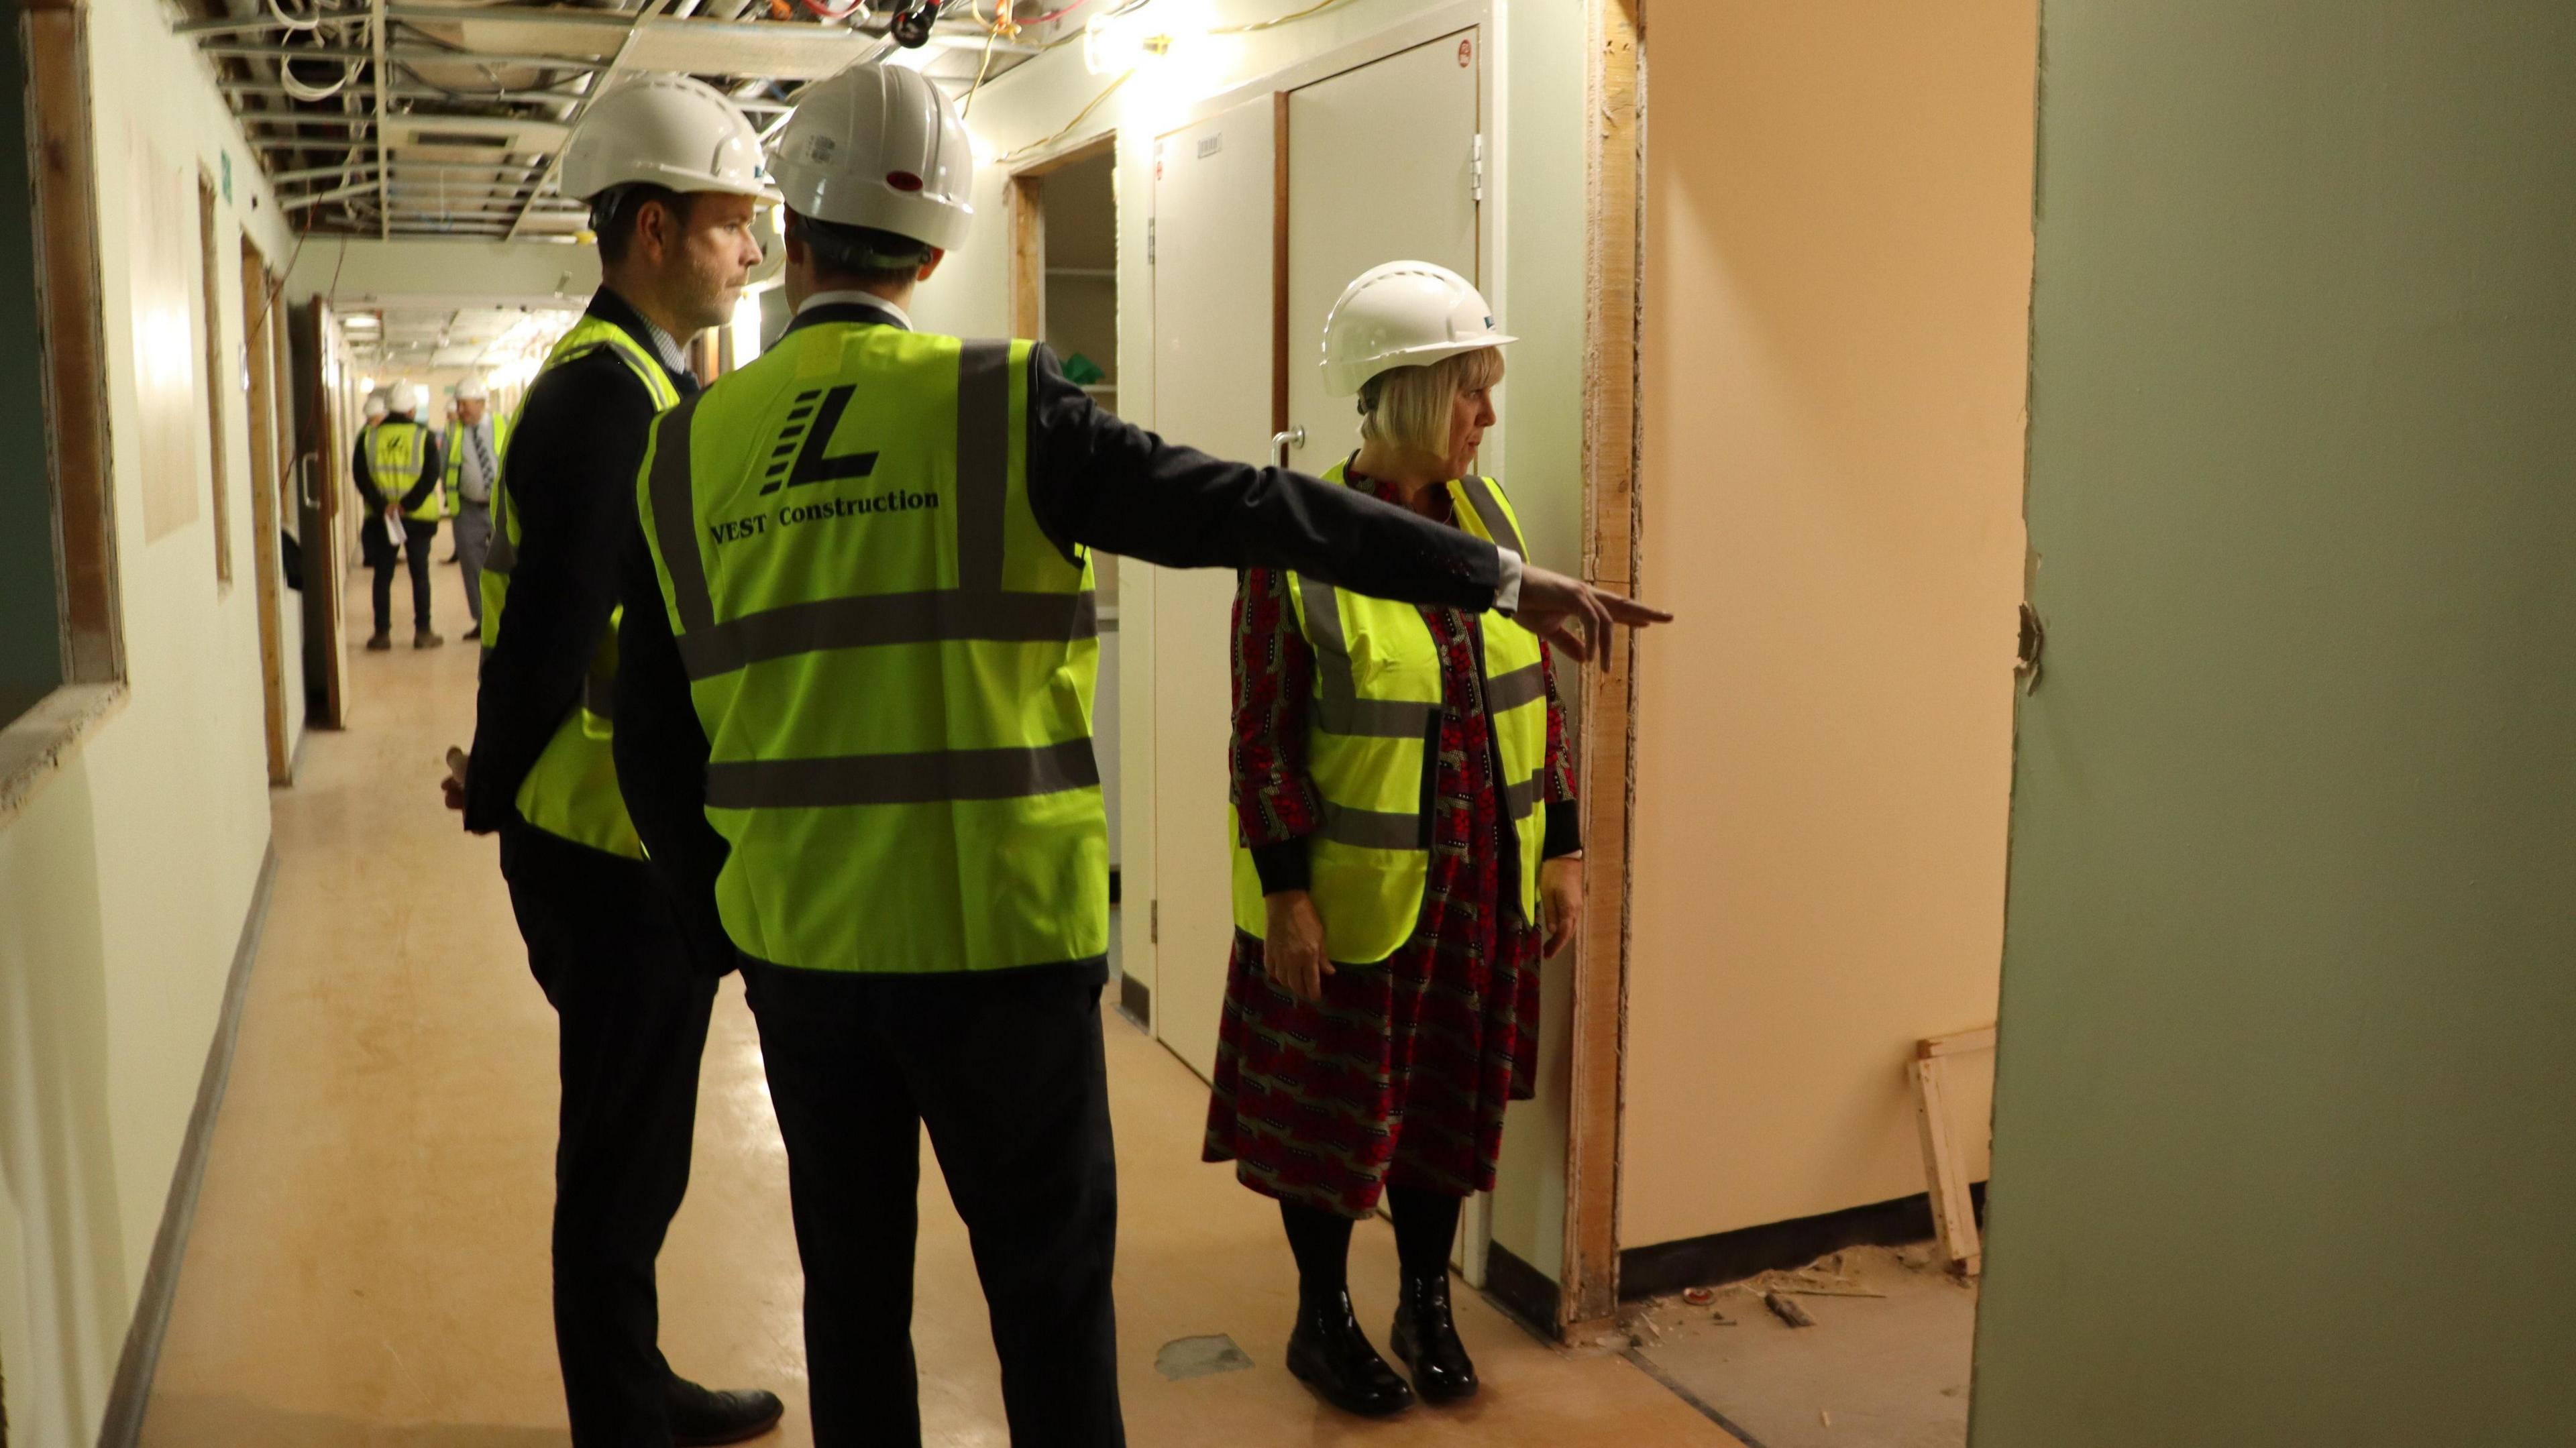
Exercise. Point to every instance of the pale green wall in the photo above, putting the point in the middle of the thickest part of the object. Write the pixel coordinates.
(2284, 1150)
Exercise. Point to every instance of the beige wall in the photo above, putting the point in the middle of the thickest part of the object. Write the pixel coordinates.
(124, 883)
(1837, 289)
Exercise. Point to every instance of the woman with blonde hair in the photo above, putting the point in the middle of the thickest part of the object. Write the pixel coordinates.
(1406, 853)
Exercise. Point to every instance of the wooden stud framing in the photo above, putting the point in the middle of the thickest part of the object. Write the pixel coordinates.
(1027, 214)
(1589, 1287)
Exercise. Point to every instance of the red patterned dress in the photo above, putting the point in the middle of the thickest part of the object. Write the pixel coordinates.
(1400, 1074)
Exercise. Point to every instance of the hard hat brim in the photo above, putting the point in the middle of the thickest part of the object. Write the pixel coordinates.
(1345, 379)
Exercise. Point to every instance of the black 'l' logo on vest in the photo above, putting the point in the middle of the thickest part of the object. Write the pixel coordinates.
(798, 458)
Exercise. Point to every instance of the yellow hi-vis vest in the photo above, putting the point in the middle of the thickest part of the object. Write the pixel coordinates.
(395, 452)
(456, 461)
(893, 663)
(572, 789)
(1372, 741)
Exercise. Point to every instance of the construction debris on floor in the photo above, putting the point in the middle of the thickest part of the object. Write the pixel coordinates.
(1868, 1346)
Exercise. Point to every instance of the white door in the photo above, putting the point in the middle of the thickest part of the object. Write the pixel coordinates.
(1383, 165)
(1213, 189)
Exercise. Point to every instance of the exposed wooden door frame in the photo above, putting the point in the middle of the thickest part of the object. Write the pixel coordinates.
(1588, 1298)
(318, 470)
(1025, 210)
(210, 252)
(260, 359)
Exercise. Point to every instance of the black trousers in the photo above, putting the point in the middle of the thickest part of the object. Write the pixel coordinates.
(632, 1008)
(1007, 1072)
(417, 538)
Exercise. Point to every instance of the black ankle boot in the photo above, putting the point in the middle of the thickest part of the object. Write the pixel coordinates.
(1330, 1354)
(1426, 1338)
(704, 1416)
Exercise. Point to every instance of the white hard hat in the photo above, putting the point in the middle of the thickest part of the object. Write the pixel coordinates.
(376, 405)
(472, 390)
(1403, 314)
(666, 130)
(880, 146)
(408, 397)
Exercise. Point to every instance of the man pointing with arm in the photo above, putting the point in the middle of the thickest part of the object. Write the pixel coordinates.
(854, 706)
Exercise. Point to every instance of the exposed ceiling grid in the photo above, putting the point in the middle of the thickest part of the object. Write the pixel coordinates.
(407, 118)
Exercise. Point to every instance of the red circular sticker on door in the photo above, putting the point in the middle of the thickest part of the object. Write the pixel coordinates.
(1466, 53)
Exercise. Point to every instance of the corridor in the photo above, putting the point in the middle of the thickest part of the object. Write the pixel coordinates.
(368, 1261)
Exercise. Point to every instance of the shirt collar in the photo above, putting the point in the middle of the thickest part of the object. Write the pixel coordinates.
(607, 305)
(666, 346)
(894, 316)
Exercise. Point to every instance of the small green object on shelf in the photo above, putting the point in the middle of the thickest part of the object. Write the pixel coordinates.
(1081, 371)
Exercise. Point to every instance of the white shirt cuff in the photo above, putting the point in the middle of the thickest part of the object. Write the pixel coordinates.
(1507, 592)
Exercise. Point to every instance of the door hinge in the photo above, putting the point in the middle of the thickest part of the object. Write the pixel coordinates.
(1476, 169)
(1149, 241)
(1153, 922)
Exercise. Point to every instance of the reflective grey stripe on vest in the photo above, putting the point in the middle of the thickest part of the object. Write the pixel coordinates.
(1498, 524)
(1370, 829)
(1519, 799)
(927, 778)
(983, 463)
(675, 518)
(887, 618)
(1341, 710)
(1525, 685)
(978, 608)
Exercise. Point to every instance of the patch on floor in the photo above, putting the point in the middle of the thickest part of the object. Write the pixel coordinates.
(1198, 1357)
(1885, 1362)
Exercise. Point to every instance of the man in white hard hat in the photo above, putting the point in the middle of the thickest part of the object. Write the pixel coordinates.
(398, 477)
(673, 175)
(854, 701)
(476, 442)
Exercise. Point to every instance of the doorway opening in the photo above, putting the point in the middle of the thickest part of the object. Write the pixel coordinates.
(1064, 292)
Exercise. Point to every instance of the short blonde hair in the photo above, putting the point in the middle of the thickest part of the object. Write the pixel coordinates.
(1408, 407)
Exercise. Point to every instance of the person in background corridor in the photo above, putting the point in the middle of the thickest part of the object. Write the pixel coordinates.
(854, 688)
(475, 444)
(1406, 830)
(672, 173)
(399, 478)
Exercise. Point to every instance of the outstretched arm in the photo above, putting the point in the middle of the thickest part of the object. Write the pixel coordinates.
(1101, 482)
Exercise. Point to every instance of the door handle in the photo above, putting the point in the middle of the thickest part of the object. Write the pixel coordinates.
(304, 481)
(1280, 442)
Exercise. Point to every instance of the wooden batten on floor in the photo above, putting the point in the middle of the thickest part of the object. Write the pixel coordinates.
(1589, 1296)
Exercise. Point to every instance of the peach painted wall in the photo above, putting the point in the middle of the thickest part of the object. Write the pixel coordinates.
(1838, 285)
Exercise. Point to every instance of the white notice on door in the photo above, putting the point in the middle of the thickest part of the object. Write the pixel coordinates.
(1211, 143)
